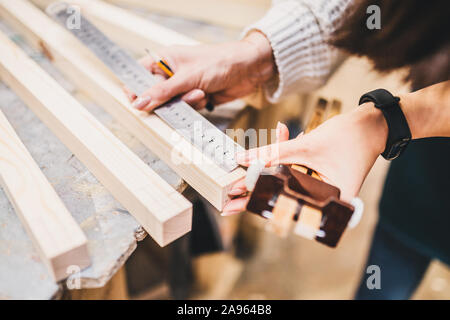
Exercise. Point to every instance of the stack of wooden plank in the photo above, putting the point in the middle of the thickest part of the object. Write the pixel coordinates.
(163, 212)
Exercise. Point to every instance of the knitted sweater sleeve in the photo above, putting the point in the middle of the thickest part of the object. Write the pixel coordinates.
(298, 31)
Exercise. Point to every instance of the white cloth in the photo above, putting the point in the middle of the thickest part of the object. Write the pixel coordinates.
(298, 31)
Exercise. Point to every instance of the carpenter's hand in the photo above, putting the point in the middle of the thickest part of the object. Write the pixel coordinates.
(342, 150)
(218, 73)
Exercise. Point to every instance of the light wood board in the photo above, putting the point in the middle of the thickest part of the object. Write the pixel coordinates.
(127, 29)
(92, 77)
(227, 13)
(59, 240)
(162, 211)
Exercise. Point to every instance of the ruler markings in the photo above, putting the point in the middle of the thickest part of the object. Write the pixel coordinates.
(190, 124)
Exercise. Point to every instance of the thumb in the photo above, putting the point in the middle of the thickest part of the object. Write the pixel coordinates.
(282, 132)
(286, 152)
(269, 154)
(164, 91)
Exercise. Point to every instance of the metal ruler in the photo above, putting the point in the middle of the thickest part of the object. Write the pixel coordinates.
(212, 142)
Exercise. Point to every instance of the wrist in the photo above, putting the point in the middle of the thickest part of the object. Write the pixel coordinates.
(372, 125)
(421, 122)
(427, 111)
(261, 63)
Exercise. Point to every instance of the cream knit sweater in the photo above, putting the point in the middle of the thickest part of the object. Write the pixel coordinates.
(298, 31)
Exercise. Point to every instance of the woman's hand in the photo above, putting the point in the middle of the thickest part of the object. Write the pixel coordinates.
(342, 150)
(215, 73)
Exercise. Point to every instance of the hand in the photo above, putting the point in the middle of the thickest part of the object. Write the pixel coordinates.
(342, 151)
(218, 73)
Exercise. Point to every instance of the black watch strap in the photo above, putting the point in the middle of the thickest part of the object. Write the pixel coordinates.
(399, 134)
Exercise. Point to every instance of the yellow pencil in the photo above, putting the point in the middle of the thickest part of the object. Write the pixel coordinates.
(163, 65)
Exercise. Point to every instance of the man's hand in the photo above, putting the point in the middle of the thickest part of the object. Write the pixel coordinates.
(216, 73)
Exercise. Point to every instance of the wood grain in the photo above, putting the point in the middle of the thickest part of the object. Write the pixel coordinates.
(93, 78)
(55, 233)
(162, 211)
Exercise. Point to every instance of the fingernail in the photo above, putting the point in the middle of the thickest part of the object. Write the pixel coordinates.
(152, 105)
(195, 95)
(141, 102)
(236, 191)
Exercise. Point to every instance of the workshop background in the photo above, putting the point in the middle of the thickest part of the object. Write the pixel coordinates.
(248, 262)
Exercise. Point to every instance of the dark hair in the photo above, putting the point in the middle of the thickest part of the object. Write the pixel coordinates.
(413, 33)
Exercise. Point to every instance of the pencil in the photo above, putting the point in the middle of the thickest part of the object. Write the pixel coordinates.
(163, 65)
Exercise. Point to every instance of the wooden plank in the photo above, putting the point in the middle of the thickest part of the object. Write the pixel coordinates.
(308, 222)
(92, 77)
(227, 13)
(127, 29)
(283, 211)
(55, 233)
(162, 211)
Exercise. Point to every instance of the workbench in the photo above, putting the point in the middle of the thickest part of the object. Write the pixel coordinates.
(111, 231)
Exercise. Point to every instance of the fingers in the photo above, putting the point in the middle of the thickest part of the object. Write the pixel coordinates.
(199, 105)
(286, 152)
(265, 153)
(131, 96)
(238, 188)
(269, 154)
(195, 98)
(282, 132)
(238, 205)
(164, 91)
(151, 66)
(147, 62)
(235, 206)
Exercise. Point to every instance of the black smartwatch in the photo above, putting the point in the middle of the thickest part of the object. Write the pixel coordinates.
(399, 134)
